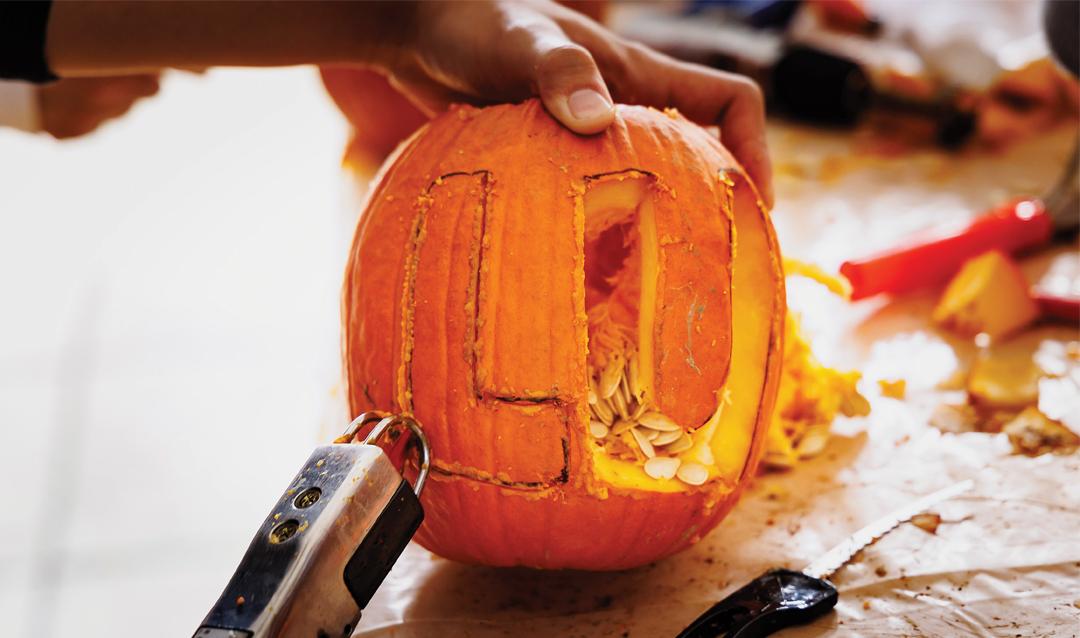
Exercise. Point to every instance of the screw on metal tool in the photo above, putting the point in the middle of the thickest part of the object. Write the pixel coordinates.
(330, 540)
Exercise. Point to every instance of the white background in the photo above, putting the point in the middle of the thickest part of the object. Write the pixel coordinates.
(168, 345)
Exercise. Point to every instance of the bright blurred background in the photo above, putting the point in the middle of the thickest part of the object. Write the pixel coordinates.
(170, 345)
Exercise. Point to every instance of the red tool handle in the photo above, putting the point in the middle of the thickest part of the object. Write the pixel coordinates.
(1065, 308)
(1011, 227)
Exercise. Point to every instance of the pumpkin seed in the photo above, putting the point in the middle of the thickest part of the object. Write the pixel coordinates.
(657, 421)
(602, 410)
(665, 438)
(854, 404)
(683, 444)
(662, 467)
(619, 403)
(624, 388)
(610, 377)
(633, 371)
(812, 443)
(643, 442)
(598, 429)
(692, 473)
(621, 426)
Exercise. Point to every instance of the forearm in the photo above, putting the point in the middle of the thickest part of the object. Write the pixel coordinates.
(91, 38)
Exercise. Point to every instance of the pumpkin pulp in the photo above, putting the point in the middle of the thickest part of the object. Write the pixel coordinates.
(622, 268)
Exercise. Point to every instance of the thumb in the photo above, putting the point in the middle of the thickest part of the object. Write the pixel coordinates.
(571, 87)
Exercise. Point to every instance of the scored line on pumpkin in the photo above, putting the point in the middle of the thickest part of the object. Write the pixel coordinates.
(448, 225)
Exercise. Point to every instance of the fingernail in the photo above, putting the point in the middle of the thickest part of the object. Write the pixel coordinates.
(588, 104)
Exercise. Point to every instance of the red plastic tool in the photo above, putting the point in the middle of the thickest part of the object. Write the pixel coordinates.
(1065, 308)
(1013, 227)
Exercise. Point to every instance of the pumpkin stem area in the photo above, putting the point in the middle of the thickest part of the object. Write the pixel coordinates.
(627, 432)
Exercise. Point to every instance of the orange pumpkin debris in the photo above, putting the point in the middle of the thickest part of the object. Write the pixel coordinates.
(552, 308)
(989, 295)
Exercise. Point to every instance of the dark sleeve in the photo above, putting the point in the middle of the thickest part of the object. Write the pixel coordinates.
(22, 40)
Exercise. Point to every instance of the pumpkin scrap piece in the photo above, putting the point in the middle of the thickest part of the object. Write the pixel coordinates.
(894, 389)
(988, 296)
(835, 284)
(927, 522)
(811, 394)
(954, 418)
(1005, 376)
(1032, 433)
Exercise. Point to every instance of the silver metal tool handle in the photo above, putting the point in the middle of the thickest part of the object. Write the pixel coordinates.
(329, 542)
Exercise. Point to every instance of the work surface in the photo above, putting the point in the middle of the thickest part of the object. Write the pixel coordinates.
(1005, 560)
(170, 352)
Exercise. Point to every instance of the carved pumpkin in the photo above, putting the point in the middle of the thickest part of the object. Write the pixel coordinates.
(589, 330)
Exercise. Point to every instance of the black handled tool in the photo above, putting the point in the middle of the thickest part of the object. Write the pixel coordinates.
(783, 598)
(329, 542)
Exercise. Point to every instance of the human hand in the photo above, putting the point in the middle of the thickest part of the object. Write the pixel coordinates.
(76, 106)
(438, 52)
(492, 51)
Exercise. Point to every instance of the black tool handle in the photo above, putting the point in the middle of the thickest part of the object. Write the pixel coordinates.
(777, 599)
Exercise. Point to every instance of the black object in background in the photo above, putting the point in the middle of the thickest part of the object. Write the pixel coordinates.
(1061, 20)
(817, 86)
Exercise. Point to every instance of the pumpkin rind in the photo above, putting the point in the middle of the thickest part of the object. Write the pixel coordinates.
(464, 304)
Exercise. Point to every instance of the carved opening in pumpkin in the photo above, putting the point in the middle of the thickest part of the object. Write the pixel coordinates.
(633, 444)
(627, 429)
(613, 266)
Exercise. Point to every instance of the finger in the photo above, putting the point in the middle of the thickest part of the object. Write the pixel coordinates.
(426, 94)
(732, 102)
(566, 47)
(106, 112)
(571, 87)
(128, 87)
(70, 127)
(534, 56)
(531, 55)
(146, 85)
(639, 75)
(742, 126)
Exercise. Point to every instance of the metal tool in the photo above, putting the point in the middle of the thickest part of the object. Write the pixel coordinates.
(330, 540)
(783, 598)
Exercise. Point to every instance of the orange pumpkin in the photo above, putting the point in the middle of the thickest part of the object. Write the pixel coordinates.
(589, 330)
